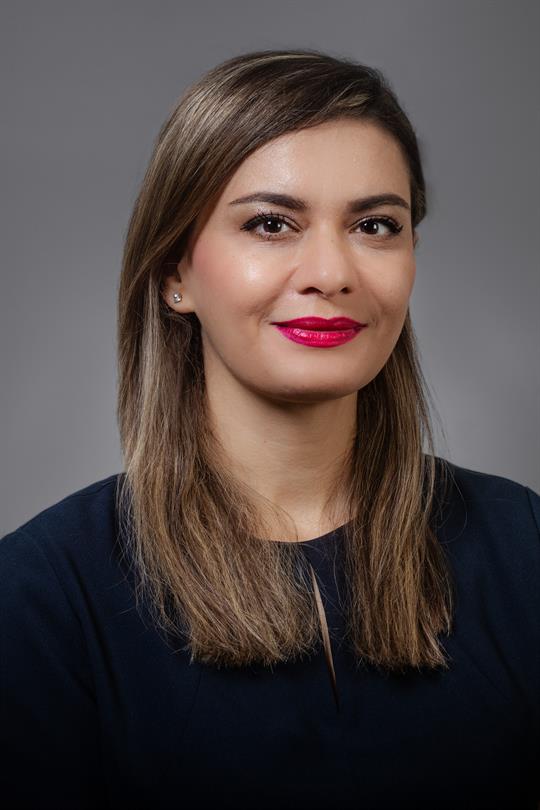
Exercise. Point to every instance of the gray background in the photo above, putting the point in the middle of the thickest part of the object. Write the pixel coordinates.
(86, 88)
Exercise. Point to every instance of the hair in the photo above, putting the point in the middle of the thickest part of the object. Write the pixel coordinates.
(197, 537)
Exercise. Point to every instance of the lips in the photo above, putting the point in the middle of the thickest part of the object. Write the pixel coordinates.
(321, 324)
(320, 332)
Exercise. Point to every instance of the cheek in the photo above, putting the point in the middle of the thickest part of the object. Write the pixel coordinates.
(214, 283)
(225, 275)
(397, 296)
(391, 290)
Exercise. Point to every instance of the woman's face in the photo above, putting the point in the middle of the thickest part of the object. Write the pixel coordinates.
(321, 259)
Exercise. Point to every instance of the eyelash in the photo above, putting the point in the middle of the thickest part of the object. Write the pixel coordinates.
(263, 216)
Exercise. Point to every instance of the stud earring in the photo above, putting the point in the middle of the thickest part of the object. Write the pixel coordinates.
(177, 297)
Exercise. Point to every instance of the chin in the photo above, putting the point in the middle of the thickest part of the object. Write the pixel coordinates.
(307, 394)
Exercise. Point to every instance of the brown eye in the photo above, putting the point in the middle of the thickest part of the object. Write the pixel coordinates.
(274, 222)
(373, 226)
(269, 226)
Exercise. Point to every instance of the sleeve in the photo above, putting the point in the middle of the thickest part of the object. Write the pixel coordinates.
(49, 731)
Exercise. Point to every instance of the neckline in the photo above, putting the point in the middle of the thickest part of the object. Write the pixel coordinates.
(313, 541)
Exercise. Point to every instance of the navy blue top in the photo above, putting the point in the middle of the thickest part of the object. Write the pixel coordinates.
(99, 712)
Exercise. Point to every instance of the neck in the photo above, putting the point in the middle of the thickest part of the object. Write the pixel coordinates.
(289, 453)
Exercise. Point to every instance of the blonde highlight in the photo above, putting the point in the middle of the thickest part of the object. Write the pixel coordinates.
(195, 535)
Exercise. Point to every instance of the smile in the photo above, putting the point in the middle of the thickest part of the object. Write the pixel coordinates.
(319, 337)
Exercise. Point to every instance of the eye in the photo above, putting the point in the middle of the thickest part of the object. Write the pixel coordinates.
(268, 220)
(373, 225)
(276, 223)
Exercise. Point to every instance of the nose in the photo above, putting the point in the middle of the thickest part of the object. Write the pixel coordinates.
(325, 264)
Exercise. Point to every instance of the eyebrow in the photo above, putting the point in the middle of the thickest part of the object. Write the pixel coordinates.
(356, 206)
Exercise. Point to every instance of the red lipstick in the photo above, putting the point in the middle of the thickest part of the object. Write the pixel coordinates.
(320, 332)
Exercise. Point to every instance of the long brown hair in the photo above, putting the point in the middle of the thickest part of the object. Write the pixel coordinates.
(194, 533)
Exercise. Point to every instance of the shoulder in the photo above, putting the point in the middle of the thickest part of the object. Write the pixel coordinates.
(57, 587)
(482, 486)
(490, 527)
(89, 504)
(490, 533)
(72, 533)
(499, 504)
(495, 501)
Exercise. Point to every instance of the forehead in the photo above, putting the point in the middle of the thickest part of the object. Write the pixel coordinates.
(328, 163)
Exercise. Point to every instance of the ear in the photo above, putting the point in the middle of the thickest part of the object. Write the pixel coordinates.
(171, 283)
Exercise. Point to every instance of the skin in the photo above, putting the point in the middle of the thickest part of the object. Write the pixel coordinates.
(285, 412)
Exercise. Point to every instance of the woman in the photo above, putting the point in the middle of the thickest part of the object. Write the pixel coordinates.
(282, 601)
